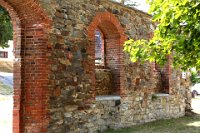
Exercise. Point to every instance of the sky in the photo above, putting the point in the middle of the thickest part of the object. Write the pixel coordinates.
(142, 5)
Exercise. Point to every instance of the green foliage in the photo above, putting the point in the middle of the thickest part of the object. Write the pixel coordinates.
(194, 78)
(6, 30)
(177, 33)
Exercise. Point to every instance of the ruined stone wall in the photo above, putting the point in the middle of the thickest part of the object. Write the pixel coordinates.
(55, 87)
(74, 104)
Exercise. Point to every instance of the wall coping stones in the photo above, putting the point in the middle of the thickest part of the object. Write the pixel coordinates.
(107, 97)
(103, 69)
(161, 95)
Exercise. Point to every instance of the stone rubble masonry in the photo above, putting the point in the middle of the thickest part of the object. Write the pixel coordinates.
(56, 82)
(104, 82)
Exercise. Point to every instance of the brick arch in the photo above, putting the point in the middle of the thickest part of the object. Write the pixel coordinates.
(29, 11)
(17, 64)
(114, 38)
(31, 27)
(106, 21)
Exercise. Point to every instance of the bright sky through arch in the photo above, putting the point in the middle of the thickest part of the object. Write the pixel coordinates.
(142, 5)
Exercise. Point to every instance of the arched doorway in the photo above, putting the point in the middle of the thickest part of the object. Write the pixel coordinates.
(16, 66)
(31, 65)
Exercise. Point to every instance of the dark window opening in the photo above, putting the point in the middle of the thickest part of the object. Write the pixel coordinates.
(3, 54)
(163, 75)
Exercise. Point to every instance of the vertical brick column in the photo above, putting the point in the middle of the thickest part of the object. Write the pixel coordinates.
(166, 75)
(36, 69)
(17, 76)
(123, 38)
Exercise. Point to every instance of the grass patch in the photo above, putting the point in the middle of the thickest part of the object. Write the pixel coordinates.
(5, 98)
(196, 98)
(186, 124)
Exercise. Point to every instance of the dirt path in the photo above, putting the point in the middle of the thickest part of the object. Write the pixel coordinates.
(196, 104)
(6, 66)
(6, 107)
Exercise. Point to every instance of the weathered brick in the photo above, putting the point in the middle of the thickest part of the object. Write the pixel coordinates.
(54, 72)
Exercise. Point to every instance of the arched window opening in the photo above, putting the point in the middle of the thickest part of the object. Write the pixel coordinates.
(162, 74)
(107, 35)
(107, 51)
